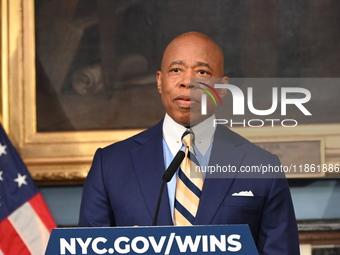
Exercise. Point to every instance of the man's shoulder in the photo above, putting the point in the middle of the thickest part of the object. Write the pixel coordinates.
(251, 158)
(154, 132)
(241, 142)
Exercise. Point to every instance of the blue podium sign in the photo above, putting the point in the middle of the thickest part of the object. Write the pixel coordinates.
(229, 239)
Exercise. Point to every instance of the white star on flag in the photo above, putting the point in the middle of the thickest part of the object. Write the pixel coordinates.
(3, 149)
(25, 221)
(21, 180)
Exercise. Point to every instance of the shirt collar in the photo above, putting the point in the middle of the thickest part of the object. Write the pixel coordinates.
(204, 134)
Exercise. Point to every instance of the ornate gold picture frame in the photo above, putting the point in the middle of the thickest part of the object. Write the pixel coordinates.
(66, 156)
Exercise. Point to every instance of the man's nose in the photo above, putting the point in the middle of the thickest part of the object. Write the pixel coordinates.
(186, 80)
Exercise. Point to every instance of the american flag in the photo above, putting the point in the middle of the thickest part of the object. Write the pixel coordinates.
(25, 221)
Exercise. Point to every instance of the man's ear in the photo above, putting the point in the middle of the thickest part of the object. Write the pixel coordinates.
(223, 92)
(159, 81)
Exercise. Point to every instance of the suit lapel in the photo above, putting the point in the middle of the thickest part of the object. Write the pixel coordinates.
(148, 163)
(224, 153)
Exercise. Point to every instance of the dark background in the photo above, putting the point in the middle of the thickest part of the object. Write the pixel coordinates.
(96, 59)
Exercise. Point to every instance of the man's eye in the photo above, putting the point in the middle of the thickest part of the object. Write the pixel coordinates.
(175, 70)
(202, 72)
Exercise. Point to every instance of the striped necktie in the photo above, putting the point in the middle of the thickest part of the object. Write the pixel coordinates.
(189, 185)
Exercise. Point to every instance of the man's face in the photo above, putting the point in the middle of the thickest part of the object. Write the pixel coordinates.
(186, 58)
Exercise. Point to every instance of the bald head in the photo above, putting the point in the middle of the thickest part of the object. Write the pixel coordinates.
(197, 43)
(190, 55)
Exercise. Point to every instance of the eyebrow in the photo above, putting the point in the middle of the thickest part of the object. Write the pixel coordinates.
(181, 62)
(204, 64)
(178, 62)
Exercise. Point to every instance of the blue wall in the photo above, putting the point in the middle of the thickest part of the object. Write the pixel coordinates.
(64, 203)
(316, 199)
(313, 199)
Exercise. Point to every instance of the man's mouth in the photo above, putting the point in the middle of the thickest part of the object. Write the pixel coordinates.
(185, 101)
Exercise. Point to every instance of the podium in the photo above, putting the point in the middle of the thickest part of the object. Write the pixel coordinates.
(168, 240)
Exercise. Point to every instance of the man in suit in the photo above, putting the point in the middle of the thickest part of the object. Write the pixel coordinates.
(122, 186)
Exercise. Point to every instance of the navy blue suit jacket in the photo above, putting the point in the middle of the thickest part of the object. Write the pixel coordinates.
(123, 184)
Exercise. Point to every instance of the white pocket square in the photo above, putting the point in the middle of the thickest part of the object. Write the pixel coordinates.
(244, 194)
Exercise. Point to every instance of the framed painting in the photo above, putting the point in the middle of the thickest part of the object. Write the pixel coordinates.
(78, 75)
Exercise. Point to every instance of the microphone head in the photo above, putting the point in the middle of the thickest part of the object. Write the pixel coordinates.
(175, 163)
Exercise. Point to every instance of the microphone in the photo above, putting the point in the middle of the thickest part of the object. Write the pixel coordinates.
(175, 163)
(168, 174)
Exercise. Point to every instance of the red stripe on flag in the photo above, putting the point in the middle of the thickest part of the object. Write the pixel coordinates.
(40, 208)
(10, 241)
